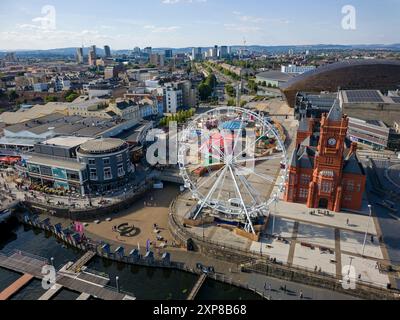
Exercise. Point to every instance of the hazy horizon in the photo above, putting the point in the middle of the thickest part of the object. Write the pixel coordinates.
(50, 24)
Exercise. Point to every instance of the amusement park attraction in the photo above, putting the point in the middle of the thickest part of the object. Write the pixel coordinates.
(234, 162)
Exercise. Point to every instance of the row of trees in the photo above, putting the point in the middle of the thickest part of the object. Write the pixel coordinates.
(207, 86)
(180, 117)
(230, 90)
(70, 96)
(232, 103)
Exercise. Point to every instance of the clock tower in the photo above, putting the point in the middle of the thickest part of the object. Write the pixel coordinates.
(325, 190)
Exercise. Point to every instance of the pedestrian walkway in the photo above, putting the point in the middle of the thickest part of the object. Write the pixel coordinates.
(16, 286)
(51, 292)
(293, 243)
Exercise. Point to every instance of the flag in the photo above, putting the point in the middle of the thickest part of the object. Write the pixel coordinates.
(79, 227)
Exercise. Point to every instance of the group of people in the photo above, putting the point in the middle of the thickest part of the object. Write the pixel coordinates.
(268, 287)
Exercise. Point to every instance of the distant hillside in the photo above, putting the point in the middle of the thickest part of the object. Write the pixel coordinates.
(70, 52)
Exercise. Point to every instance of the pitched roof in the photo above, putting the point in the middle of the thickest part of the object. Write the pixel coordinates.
(293, 159)
(335, 114)
(303, 125)
(305, 157)
(352, 165)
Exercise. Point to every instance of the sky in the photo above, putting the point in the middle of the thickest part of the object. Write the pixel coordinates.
(125, 24)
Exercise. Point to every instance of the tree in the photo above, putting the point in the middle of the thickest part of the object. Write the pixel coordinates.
(230, 91)
(243, 103)
(13, 95)
(70, 96)
(231, 102)
(50, 99)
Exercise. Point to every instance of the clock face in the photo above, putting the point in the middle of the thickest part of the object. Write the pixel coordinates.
(332, 142)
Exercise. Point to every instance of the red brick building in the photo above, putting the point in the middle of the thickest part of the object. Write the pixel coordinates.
(323, 173)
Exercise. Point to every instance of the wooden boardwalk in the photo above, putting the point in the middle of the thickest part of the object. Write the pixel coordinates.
(83, 296)
(16, 286)
(78, 265)
(197, 287)
(51, 292)
(82, 282)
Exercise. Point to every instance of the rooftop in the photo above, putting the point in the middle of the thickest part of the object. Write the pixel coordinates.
(68, 141)
(99, 146)
(60, 124)
(275, 75)
(57, 162)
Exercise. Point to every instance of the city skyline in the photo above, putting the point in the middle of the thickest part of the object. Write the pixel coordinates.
(34, 25)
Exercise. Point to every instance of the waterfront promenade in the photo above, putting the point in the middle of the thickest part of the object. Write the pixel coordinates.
(33, 267)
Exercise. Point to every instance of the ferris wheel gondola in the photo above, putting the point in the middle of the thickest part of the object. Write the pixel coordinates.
(244, 157)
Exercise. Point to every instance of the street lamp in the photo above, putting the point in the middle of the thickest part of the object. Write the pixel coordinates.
(366, 231)
(273, 216)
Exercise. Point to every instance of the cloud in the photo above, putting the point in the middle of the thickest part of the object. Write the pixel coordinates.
(256, 20)
(156, 29)
(241, 28)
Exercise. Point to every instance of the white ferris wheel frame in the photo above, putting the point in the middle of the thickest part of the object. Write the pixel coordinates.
(247, 212)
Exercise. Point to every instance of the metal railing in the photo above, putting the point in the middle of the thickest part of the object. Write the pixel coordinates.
(255, 258)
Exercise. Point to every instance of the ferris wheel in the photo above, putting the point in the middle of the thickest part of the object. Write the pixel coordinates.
(232, 159)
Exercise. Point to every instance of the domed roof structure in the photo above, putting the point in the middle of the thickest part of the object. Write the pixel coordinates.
(102, 146)
(349, 74)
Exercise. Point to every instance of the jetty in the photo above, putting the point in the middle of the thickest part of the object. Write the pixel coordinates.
(84, 282)
(197, 287)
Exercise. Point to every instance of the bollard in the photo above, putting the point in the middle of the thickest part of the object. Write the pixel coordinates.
(117, 282)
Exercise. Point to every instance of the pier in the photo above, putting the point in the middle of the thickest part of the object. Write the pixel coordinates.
(77, 266)
(197, 287)
(51, 292)
(84, 282)
(16, 286)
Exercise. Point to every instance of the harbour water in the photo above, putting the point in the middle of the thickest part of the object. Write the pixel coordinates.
(144, 282)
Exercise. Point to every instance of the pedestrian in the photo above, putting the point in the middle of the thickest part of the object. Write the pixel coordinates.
(301, 294)
(348, 221)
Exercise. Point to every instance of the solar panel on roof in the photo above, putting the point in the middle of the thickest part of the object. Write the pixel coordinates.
(396, 99)
(359, 96)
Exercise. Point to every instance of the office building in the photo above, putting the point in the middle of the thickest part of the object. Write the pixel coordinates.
(197, 54)
(107, 52)
(79, 56)
(148, 51)
(190, 93)
(168, 54)
(223, 52)
(92, 56)
(173, 99)
(112, 72)
(157, 60)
